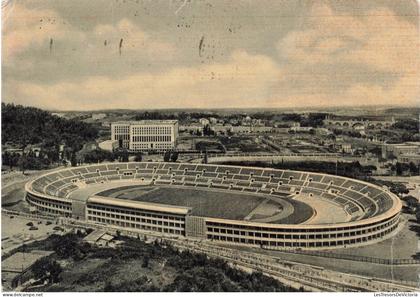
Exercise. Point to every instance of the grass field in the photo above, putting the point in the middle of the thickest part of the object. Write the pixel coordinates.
(216, 204)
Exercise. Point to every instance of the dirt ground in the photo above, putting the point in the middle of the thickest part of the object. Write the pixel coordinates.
(15, 232)
(402, 246)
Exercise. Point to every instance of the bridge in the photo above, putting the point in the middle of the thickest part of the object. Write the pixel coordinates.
(365, 123)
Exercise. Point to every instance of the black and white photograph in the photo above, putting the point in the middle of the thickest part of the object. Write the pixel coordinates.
(210, 146)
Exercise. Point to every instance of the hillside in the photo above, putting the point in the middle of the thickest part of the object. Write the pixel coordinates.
(137, 266)
(22, 126)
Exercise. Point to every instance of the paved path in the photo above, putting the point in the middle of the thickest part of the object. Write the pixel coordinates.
(287, 210)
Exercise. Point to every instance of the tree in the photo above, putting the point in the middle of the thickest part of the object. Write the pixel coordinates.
(138, 157)
(418, 215)
(174, 157)
(401, 168)
(10, 159)
(413, 168)
(206, 158)
(145, 263)
(98, 155)
(23, 162)
(46, 267)
(407, 124)
(313, 120)
(292, 117)
(167, 156)
(207, 131)
(124, 157)
(412, 202)
(73, 159)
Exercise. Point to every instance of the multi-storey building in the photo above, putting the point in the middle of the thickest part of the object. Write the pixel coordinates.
(146, 135)
(409, 158)
(407, 148)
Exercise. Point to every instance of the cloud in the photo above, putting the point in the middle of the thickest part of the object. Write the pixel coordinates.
(242, 81)
(75, 50)
(378, 41)
(331, 58)
(134, 41)
(23, 28)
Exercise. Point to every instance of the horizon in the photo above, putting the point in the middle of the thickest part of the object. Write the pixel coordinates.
(331, 109)
(142, 55)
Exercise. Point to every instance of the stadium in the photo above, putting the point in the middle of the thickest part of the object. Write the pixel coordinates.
(269, 208)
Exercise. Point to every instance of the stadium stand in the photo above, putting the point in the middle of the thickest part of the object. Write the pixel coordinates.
(364, 202)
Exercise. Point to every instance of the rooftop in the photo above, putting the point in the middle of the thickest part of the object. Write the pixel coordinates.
(140, 205)
(97, 235)
(147, 122)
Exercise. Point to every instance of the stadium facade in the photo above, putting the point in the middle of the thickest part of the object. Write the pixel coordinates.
(146, 135)
(73, 192)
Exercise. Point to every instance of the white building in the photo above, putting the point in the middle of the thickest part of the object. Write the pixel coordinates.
(98, 116)
(146, 135)
(346, 148)
(409, 158)
(407, 148)
(204, 121)
(301, 129)
(108, 145)
(191, 128)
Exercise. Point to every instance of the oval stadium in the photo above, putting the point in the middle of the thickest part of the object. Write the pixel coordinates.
(269, 208)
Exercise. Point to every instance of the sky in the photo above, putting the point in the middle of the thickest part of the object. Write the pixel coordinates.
(144, 54)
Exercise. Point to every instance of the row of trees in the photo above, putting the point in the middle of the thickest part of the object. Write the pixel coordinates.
(99, 155)
(27, 161)
(408, 130)
(171, 156)
(405, 168)
(409, 125)
(350, 133)
(181, 116)
(395, 187)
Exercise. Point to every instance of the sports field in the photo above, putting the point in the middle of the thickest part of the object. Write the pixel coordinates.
(203, 203)
(218, 204)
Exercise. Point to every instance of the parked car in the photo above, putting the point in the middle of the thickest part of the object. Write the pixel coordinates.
(29, 224)
(33, 228)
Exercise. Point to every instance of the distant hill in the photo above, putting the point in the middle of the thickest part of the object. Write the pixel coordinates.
(415, 111)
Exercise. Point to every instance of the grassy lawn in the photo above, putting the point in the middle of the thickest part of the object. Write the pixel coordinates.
(210, 203)
(203, 203)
